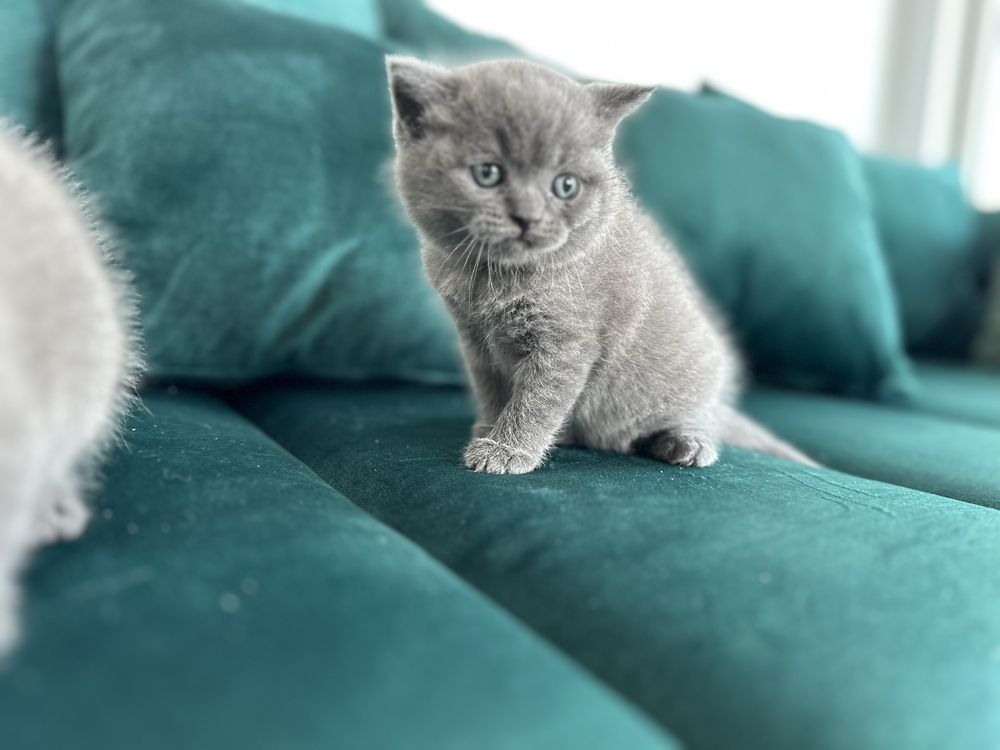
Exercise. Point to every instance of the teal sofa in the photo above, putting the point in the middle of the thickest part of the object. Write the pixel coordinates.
(300, 560)
(307, 564)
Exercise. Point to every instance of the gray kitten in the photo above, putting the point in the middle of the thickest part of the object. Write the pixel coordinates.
(579, 322)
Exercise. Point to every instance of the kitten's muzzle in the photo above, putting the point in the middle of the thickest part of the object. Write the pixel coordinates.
(524, 224)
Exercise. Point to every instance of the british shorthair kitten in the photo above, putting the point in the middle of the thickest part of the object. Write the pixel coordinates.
(579, 322)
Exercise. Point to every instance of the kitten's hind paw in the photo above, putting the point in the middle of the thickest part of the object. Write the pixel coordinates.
(8, 618)
(486, 455)
(683, 449)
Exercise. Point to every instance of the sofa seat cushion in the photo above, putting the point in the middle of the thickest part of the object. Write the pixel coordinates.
(959, 390)
(754, 604)
(225, 597)
(956, 458)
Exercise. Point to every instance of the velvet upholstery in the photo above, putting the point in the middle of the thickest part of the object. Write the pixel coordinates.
(774, 217)
(754, 604)
(928, 235)
(362, 17)
(948, 456)
(959, 391)
(29, 95)
(225, 597)
(250, 167)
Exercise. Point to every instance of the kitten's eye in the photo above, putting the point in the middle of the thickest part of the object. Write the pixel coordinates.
(487, 175)
(566, 185)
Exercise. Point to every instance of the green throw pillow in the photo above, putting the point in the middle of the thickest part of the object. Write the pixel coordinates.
(360, 16)
(774, 217)
(986, 347)
(928, 233)
(240, 158)
(29, 93)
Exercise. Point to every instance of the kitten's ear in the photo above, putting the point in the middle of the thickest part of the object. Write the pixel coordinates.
(415, 86)
(614, 101)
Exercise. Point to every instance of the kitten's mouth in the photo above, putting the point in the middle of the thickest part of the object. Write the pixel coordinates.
(516, 250)
(525, 243)
(544, 244)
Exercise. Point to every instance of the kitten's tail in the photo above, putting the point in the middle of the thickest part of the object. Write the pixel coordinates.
(740, 431)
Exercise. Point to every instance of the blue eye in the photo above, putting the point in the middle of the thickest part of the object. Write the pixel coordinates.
(487, 175)
(566, 186)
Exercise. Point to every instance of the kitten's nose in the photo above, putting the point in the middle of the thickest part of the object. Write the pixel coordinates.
(524, 224)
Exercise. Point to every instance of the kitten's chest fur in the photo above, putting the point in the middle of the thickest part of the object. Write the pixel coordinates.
(623, 311)
(508, 314)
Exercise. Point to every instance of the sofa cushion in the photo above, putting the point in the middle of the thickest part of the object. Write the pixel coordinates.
(29, 89)
(957, 458)
(986, 344)
(928, 230)
(358, 16)
(225, 597)
(755, 604)
(244, 178)
(774, 217)
(960, 391)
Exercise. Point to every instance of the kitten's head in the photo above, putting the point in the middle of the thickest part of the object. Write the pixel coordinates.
(506, 156)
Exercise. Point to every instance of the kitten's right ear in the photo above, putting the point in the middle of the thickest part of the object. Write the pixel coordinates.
(415, 86)
(615, 101)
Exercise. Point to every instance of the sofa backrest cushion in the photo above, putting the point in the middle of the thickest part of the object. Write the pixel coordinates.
(29, 94)
(928, 231)
(361, 17)
(240, 158)
(986, 345)
(774, 217)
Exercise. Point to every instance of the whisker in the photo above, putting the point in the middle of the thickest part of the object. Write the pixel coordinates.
(489, 272)
(457, 247)
(447, 234)
(439, 207)
(468, 254)
(475, 267)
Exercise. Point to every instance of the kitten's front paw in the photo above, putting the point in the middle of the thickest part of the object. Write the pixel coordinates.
(483, 454)
(61, 518)
(684, 450)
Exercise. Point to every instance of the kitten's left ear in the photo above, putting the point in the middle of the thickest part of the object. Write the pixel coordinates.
(415, 86)
(615, 101)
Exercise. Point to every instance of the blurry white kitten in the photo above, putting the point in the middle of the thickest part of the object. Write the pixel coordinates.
(67, 358)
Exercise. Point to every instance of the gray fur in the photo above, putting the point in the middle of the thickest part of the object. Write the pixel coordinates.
(579, 322)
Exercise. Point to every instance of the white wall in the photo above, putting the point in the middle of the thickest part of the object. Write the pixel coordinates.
(816, 59)
(981, 145)
(918, 79)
